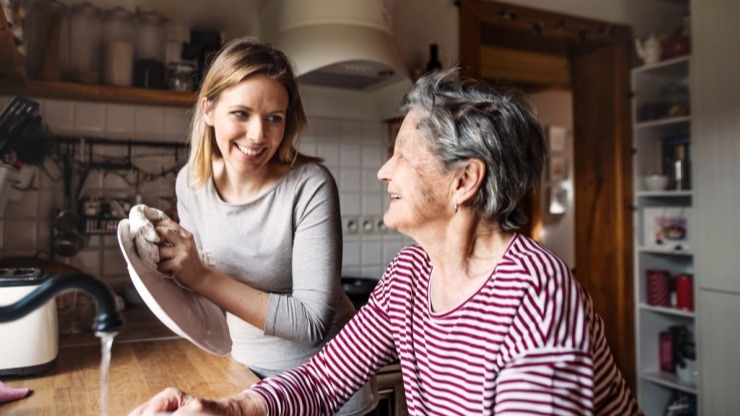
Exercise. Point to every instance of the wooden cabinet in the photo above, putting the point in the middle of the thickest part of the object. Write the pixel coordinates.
(663, 235)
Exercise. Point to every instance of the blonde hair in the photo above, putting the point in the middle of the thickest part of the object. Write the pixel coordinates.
(238, 60)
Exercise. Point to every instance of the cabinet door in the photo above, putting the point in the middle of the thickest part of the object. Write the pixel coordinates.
(719, 340)
(715, 97)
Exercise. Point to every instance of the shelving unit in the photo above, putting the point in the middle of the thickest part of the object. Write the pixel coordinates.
(661, 124)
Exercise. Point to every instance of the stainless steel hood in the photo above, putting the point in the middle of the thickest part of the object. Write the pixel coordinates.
(340, 44)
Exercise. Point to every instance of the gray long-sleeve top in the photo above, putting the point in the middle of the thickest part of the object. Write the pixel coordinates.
(286, 242)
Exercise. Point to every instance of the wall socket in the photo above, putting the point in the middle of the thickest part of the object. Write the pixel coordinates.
(360, 224)
(350, 224)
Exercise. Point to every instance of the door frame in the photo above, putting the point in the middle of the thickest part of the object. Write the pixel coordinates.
(599, 55)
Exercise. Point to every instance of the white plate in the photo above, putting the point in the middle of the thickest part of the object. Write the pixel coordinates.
(186, 313)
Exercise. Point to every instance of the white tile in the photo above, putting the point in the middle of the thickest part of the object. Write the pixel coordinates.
(307, 148)
(328, 129)
(26, 207)
(310, 132)
(58, 115)
(176, 122)
(372, 253)
(373, 156)
(349, 203)
(351, 271)
(113, 262)
(372, 204)
(44, 234)
(20, 234)
(148, 122)
(350, 131)
(350, 180)
(373, 131)
(370, 181)
(350, 155)
(329, 151)
(87, 260)
(89, 118)
(373, 272)
(351, 255)
(119, 120)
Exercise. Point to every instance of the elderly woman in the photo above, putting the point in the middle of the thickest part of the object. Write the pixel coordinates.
(483, 320)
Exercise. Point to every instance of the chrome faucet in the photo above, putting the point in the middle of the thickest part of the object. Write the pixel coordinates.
(108, 319)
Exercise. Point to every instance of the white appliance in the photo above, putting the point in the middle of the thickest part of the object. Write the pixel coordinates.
(29, 345)
(344, 53)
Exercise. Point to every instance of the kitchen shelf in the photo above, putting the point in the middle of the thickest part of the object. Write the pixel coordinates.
(667, 310)
(669, 380)
(651, 250)
(662, 121)
(663, 194)
(102, 93)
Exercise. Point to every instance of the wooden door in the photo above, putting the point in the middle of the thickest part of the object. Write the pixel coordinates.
(591, 58)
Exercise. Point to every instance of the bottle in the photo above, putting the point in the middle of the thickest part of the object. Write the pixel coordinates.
(679, 169)
(434, 64)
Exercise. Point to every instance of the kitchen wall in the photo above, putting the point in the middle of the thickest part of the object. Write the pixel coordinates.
(352, 150)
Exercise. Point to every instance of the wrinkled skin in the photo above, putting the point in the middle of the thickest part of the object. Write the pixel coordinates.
(177, 402)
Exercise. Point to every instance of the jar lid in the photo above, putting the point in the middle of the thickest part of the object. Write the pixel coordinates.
(118, 12)
(181, 67)
(86, 8)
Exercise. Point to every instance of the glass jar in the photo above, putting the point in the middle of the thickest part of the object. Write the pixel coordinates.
(46, 39)
(181, 76)
(118, 47)
(86, 28)
(149, 66)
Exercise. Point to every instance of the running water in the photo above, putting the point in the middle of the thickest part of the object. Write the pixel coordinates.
(106, 342)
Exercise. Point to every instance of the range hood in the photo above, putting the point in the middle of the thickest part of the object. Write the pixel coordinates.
(343, 52)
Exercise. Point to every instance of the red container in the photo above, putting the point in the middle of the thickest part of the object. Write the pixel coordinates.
(658, 287)
(684, 292)
(665, 351)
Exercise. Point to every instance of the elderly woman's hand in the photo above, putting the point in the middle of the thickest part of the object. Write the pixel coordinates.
(177, 402)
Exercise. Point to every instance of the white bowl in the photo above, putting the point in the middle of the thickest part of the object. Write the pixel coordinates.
(655, 182)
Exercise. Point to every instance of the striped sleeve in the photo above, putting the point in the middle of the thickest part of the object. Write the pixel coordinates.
(547, 367)
(346, 363)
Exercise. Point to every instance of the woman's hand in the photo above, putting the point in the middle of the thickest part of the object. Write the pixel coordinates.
(178, 402)
(179, 255)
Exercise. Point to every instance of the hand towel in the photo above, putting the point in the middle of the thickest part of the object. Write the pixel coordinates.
(8, 394)
(147, 241)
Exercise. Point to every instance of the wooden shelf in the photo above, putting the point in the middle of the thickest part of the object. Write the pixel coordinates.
(100, 93)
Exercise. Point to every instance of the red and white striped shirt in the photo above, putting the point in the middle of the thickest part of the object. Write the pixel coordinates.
(527, 342)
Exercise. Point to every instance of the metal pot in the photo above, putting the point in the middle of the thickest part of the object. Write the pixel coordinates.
(358, 289)
(67, 240)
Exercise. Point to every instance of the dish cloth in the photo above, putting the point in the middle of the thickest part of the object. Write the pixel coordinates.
(147, 241)
(8, 394)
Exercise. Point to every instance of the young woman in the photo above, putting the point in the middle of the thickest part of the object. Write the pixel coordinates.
(266, 216)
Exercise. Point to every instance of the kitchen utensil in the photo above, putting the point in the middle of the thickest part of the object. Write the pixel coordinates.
(19, 116)
(67, 240)
(358, 289)
(186, 313)
(30, 344)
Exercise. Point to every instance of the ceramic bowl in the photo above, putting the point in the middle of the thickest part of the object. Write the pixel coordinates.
(655, 182)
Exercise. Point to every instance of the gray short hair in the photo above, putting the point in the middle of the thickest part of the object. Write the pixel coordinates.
(463, 118)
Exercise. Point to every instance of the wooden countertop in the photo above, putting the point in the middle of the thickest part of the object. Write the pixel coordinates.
(138, 370)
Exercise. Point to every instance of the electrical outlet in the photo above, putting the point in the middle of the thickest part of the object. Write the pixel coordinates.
(350, 224)
(380, 225)
(367, 225)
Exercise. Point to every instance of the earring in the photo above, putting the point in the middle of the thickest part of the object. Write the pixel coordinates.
(455, 207)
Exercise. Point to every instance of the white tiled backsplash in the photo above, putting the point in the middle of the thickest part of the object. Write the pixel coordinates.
(352, 150)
